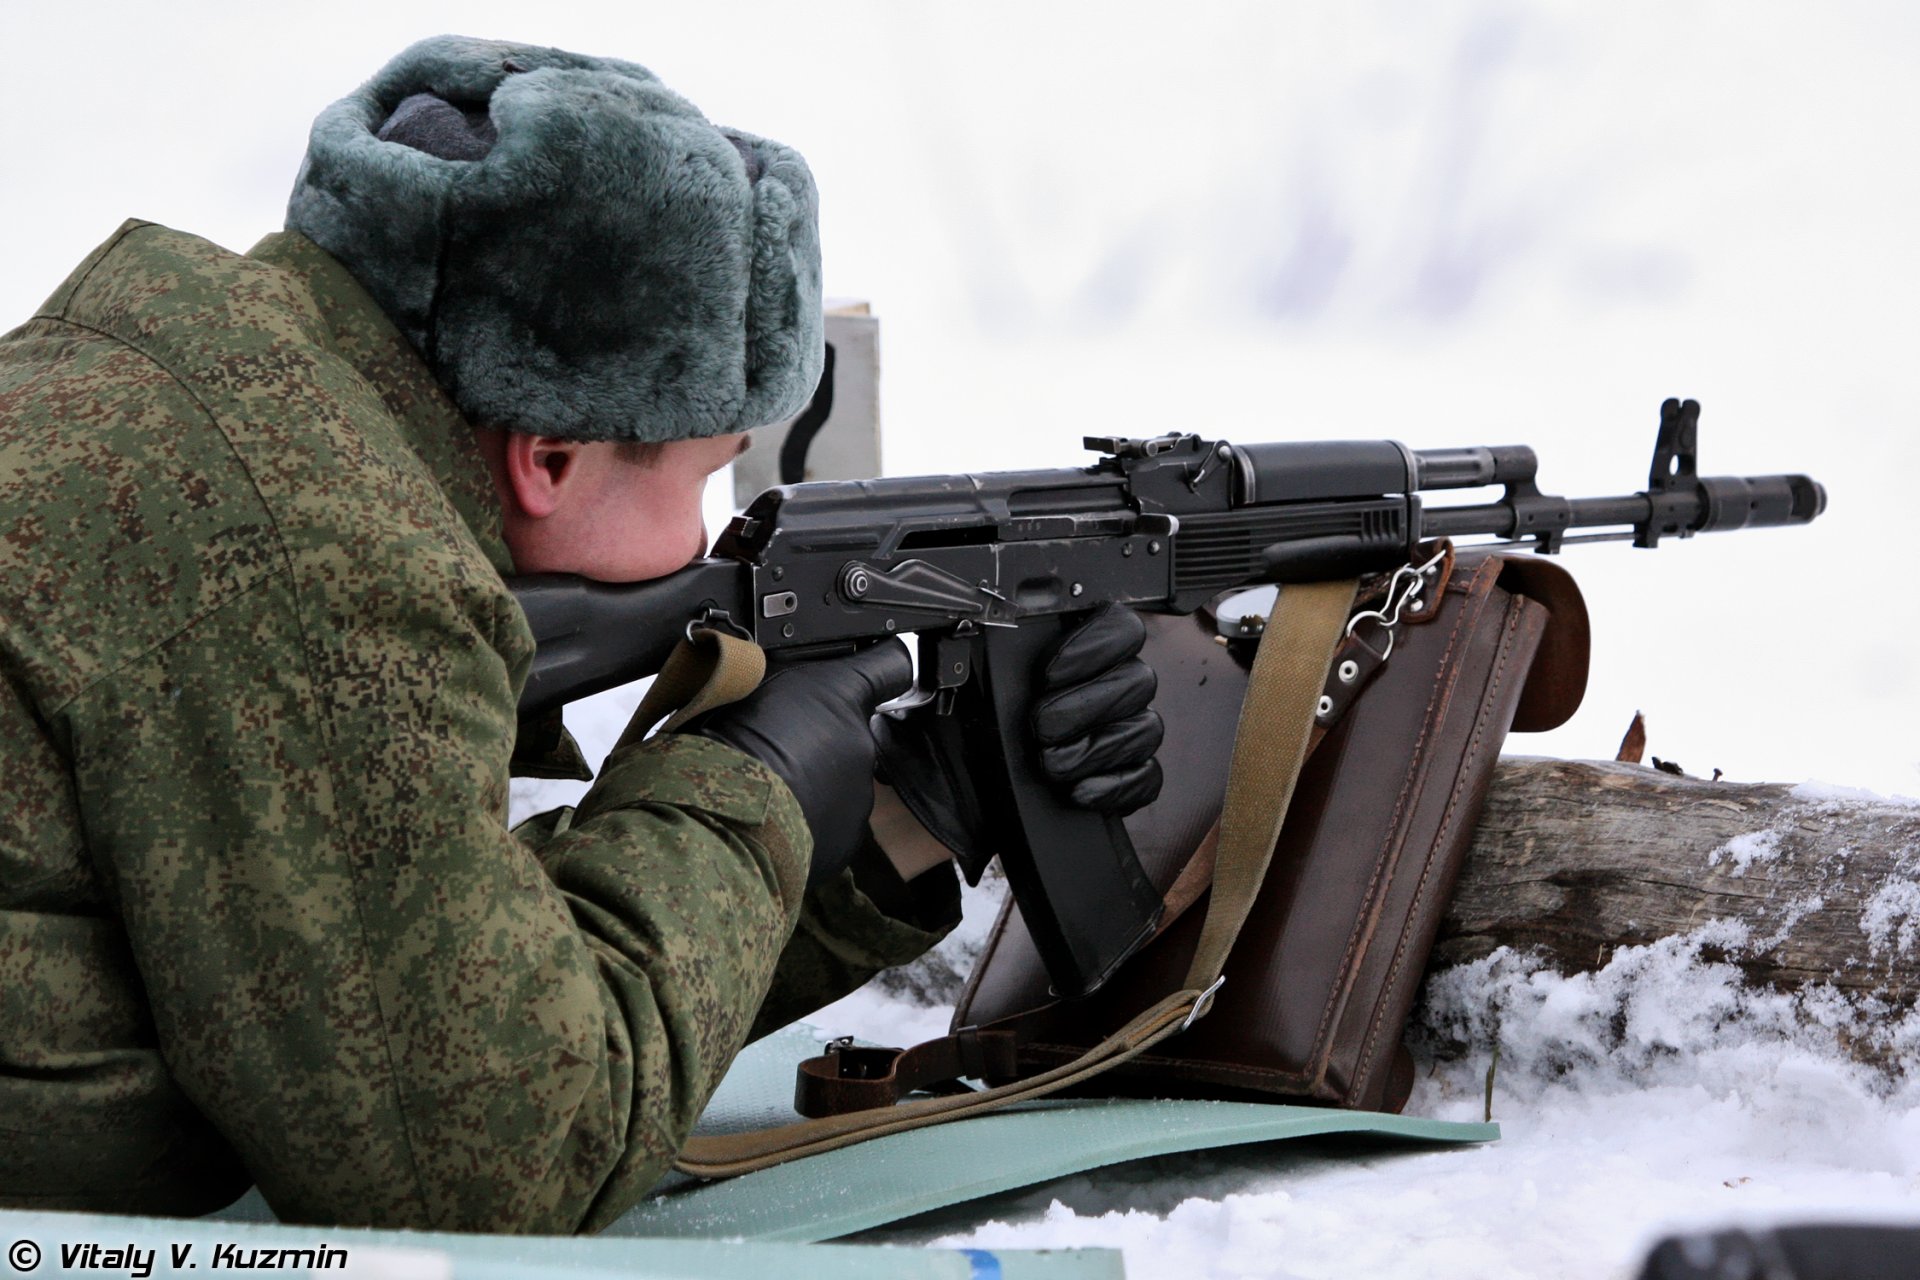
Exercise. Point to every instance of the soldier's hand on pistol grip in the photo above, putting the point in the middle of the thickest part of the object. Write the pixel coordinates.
(1092, 723)
(808, 722)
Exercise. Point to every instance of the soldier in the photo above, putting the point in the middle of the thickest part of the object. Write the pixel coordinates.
(261, 917)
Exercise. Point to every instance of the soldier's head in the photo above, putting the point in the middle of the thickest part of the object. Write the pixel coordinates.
(608, 286)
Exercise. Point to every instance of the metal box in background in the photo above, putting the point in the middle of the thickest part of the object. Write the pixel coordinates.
(837, 436)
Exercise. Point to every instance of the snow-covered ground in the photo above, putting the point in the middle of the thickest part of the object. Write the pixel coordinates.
(1470, 221)
(1656, 1095)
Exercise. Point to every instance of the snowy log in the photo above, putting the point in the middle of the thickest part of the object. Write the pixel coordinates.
(1575, 859)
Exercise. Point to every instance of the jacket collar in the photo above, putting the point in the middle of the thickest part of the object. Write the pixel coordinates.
(366, 339)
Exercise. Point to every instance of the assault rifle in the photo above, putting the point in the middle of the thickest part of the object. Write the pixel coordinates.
(988, 571)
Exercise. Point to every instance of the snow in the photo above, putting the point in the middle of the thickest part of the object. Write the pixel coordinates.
(1471, 221)
(1744, 850)
(1653, 1095)
(1819, 793)
(1892, 918)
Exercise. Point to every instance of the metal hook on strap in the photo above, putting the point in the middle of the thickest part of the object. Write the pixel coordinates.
(1203, 1002)
(1406, 585)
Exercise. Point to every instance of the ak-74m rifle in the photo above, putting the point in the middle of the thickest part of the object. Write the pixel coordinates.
(988, 571)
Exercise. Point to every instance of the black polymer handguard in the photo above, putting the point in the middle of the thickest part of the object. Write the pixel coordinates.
(989, 570)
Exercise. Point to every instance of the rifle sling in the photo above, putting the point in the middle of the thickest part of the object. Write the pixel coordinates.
(1355, 664)
(1270, 745)
(706, 670)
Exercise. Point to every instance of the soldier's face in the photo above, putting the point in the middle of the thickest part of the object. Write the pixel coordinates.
(599, 511)
(648, 522)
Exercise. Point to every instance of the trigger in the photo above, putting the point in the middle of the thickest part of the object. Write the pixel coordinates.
(912, 700)
(940, 699)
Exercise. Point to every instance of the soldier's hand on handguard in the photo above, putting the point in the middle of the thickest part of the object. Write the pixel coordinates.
(1091, 721)
(808, 722)
(1093, 718)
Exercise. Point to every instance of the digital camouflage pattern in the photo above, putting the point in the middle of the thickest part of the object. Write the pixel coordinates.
(260, 915)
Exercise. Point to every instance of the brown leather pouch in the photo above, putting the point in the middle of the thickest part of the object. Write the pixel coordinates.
(1320, 981)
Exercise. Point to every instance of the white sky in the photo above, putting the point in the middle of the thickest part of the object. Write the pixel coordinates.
(1446, 223)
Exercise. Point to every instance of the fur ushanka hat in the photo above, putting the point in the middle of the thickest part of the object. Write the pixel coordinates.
(613, 267)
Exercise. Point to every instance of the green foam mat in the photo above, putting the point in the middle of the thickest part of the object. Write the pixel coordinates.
(886, 1179)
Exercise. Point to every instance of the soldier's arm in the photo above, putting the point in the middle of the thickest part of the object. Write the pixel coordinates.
(880, 913)
(380, 997)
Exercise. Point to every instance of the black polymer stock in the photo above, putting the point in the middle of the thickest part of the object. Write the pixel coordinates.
(988, 571)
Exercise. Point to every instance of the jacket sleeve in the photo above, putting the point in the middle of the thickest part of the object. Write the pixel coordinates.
(390, 1007)
(864, 921)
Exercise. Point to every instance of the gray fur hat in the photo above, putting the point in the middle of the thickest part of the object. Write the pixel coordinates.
(613, 267)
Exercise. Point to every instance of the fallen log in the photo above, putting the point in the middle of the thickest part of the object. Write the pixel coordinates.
(1574, 859)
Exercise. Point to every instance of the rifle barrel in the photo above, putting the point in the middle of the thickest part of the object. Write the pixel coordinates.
(1714, 504)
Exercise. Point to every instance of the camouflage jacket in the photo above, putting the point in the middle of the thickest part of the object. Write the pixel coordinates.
(261, 918)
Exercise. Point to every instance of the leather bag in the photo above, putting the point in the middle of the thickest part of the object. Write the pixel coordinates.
(1321, 978)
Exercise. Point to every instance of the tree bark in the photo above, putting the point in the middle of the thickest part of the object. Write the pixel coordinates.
(1574, 859)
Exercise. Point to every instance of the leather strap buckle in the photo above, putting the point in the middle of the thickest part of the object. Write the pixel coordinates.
(849, 1077)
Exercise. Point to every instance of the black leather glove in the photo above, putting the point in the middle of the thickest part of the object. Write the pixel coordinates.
(1093, 719)
(1092, 723)
(808, 722)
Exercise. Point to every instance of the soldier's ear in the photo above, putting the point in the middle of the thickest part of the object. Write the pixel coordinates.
(540, 471)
